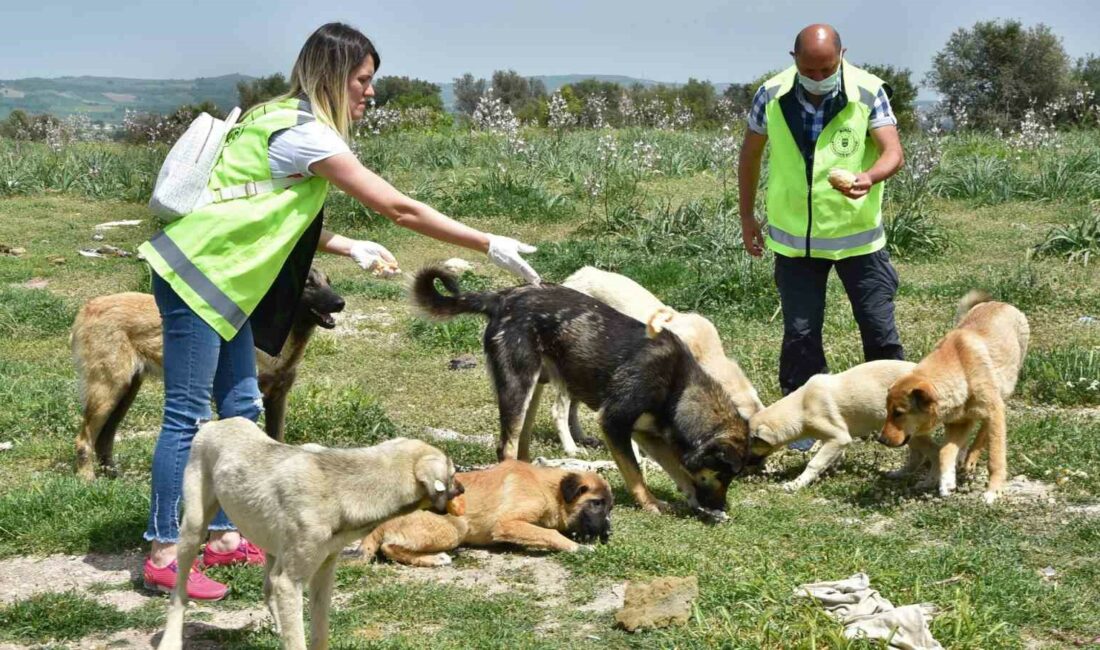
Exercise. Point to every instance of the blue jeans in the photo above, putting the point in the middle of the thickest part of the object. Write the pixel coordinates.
(198, 367)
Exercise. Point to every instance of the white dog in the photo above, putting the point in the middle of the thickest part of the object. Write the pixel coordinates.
(302, 506)
(833, 409)
(698, 333)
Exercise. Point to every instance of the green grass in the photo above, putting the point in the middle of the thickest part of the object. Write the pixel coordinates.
(675, 233)
(455, 336)
(337, 416)
(1079, 240)
(58, 617)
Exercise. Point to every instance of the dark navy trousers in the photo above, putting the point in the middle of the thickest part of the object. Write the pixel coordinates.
(870, 282)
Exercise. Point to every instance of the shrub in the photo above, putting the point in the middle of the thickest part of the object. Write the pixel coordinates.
(1076, 241)
(336, 416)
(1066, 376)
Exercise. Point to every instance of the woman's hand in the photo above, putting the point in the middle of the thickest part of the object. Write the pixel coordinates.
(505, 253)
(371, 256)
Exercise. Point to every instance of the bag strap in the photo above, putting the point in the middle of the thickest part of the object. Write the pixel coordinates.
(252, 188)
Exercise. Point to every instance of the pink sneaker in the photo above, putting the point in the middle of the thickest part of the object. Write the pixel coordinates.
(245, 553)
(199, 587)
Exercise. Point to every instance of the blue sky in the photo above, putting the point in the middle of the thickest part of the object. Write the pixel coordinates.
(436, 40)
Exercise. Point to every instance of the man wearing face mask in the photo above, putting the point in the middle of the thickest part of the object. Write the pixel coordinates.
(821, 114)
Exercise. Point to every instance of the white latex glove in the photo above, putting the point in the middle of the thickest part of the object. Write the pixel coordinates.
(505, 253)
(374, 257)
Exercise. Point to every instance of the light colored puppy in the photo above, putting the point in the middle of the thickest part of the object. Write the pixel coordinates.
(833, 409)
(302, 506)
(698, 333)
(963, 381)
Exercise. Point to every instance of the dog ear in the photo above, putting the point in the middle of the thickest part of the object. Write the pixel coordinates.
(693, 460)
(572, 486)
(923, 398)
(719, 449)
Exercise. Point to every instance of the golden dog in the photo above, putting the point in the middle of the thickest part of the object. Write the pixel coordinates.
(510, 503)
(963, 381)
(116, 344)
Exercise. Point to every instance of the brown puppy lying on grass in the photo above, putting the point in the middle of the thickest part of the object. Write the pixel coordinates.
(510, 503)
(963, 381)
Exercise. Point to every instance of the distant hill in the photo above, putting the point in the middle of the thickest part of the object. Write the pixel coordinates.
(108, 98)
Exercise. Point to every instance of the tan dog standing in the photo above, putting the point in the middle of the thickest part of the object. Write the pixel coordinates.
(116, 344)
(834, 409)
(963, 381)
(509, 503)
(302, 506)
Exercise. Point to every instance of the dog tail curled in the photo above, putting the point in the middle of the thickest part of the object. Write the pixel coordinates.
(973, 298)
(439, 305)
(659, 321)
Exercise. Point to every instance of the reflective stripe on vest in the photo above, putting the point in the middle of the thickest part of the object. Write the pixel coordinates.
(198, 282)
(824, 244)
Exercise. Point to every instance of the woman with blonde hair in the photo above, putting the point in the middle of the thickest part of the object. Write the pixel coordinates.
(225, 274)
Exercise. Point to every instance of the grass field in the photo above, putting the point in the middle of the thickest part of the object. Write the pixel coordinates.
(1024, 573)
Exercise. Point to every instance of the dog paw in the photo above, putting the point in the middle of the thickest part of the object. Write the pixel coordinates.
(897, 474)
(712, 516)
(989, 497)
(792, 486)
(946, 489)
(657, 507)
(439, 559)
(590, 442)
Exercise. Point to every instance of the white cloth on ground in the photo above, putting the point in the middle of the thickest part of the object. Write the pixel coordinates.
(865, 613)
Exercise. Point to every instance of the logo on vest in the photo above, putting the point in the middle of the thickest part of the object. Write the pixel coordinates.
(844, 142)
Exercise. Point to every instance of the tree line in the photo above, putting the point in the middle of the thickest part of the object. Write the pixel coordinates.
(989, 75)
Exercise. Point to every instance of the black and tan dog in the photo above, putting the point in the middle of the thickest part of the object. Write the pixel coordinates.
(116, 343)
(538, 508)
(648, 389)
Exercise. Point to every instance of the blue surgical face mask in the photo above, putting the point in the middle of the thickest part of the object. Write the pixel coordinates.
(823, 87)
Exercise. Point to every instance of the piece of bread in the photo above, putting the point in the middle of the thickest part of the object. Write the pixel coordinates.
(384, 269)
(457, 506)
(841, 179)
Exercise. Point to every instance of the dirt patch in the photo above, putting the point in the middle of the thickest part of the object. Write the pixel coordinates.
(23, 577)
(607, 600)
(192, 630)
(878, 525)
(368, 325)
(454, 436)
(116, 577)
(1021, 488)
(1086, 511)
(498, 573)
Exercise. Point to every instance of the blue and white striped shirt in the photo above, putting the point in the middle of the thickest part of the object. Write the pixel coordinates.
(813, 117)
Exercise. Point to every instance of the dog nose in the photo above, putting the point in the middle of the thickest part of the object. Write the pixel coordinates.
(339, 304)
